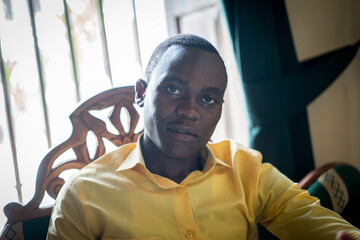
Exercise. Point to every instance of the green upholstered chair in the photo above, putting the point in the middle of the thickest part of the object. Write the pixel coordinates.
(337, 185)
(30, 221)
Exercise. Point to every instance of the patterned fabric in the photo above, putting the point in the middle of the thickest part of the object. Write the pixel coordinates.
(335, 187)
(12, 232)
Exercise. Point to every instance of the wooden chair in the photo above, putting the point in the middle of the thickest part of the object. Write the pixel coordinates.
(31, 220)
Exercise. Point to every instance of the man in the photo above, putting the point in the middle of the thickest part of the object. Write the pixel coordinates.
(171, 184)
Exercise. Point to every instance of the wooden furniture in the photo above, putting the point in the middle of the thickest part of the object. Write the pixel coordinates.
(48, 180)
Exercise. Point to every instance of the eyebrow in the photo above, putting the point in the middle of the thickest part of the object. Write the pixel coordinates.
(178, 80)
(215, 90)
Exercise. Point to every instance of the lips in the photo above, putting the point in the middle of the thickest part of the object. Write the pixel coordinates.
(182, 132)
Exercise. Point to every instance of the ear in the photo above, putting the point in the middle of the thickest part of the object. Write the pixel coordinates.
(140, 89)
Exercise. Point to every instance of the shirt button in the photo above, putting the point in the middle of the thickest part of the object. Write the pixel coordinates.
(189, 234)
(179, 189)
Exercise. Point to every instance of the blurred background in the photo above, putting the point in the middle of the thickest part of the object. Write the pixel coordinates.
(58, 53)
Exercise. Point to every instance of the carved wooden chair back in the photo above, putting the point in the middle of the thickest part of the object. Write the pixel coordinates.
(83, 121)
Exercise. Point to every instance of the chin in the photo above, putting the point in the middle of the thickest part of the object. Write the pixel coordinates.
(181, 152)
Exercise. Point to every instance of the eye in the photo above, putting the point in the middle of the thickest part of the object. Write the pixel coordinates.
(173, 90)
(208, 100)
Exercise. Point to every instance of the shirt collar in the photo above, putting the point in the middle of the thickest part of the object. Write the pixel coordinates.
(209, 160)
(134, 158)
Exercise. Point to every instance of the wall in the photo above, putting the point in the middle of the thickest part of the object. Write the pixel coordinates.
(318, 27)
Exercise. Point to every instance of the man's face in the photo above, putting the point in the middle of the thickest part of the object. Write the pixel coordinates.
(183, 101)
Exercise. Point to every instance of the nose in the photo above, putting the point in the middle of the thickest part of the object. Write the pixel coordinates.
(187, 109)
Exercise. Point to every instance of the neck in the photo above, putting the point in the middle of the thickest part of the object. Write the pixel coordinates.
(176, 169)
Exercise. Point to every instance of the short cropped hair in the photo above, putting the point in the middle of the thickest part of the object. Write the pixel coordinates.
(187, 40)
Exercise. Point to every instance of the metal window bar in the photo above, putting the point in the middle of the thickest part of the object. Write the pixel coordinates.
(8, 9)
(104, 41)
(72, 51)
(40, 71)
(5, 83)
(136, 37)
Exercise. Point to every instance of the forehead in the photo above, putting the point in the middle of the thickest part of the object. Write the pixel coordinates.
(190, 64)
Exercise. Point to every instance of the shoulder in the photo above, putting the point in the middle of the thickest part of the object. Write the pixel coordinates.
(108, 162)
(230, 152)
(99, 171)
(246, 163)
(112, 159)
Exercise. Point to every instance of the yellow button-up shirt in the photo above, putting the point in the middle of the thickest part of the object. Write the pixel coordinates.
(116, 197)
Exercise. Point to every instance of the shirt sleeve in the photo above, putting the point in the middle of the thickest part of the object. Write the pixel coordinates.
(70, 218)
(291, 213)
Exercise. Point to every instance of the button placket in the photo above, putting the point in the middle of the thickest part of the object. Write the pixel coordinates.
(189, 234)
(184, 213)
